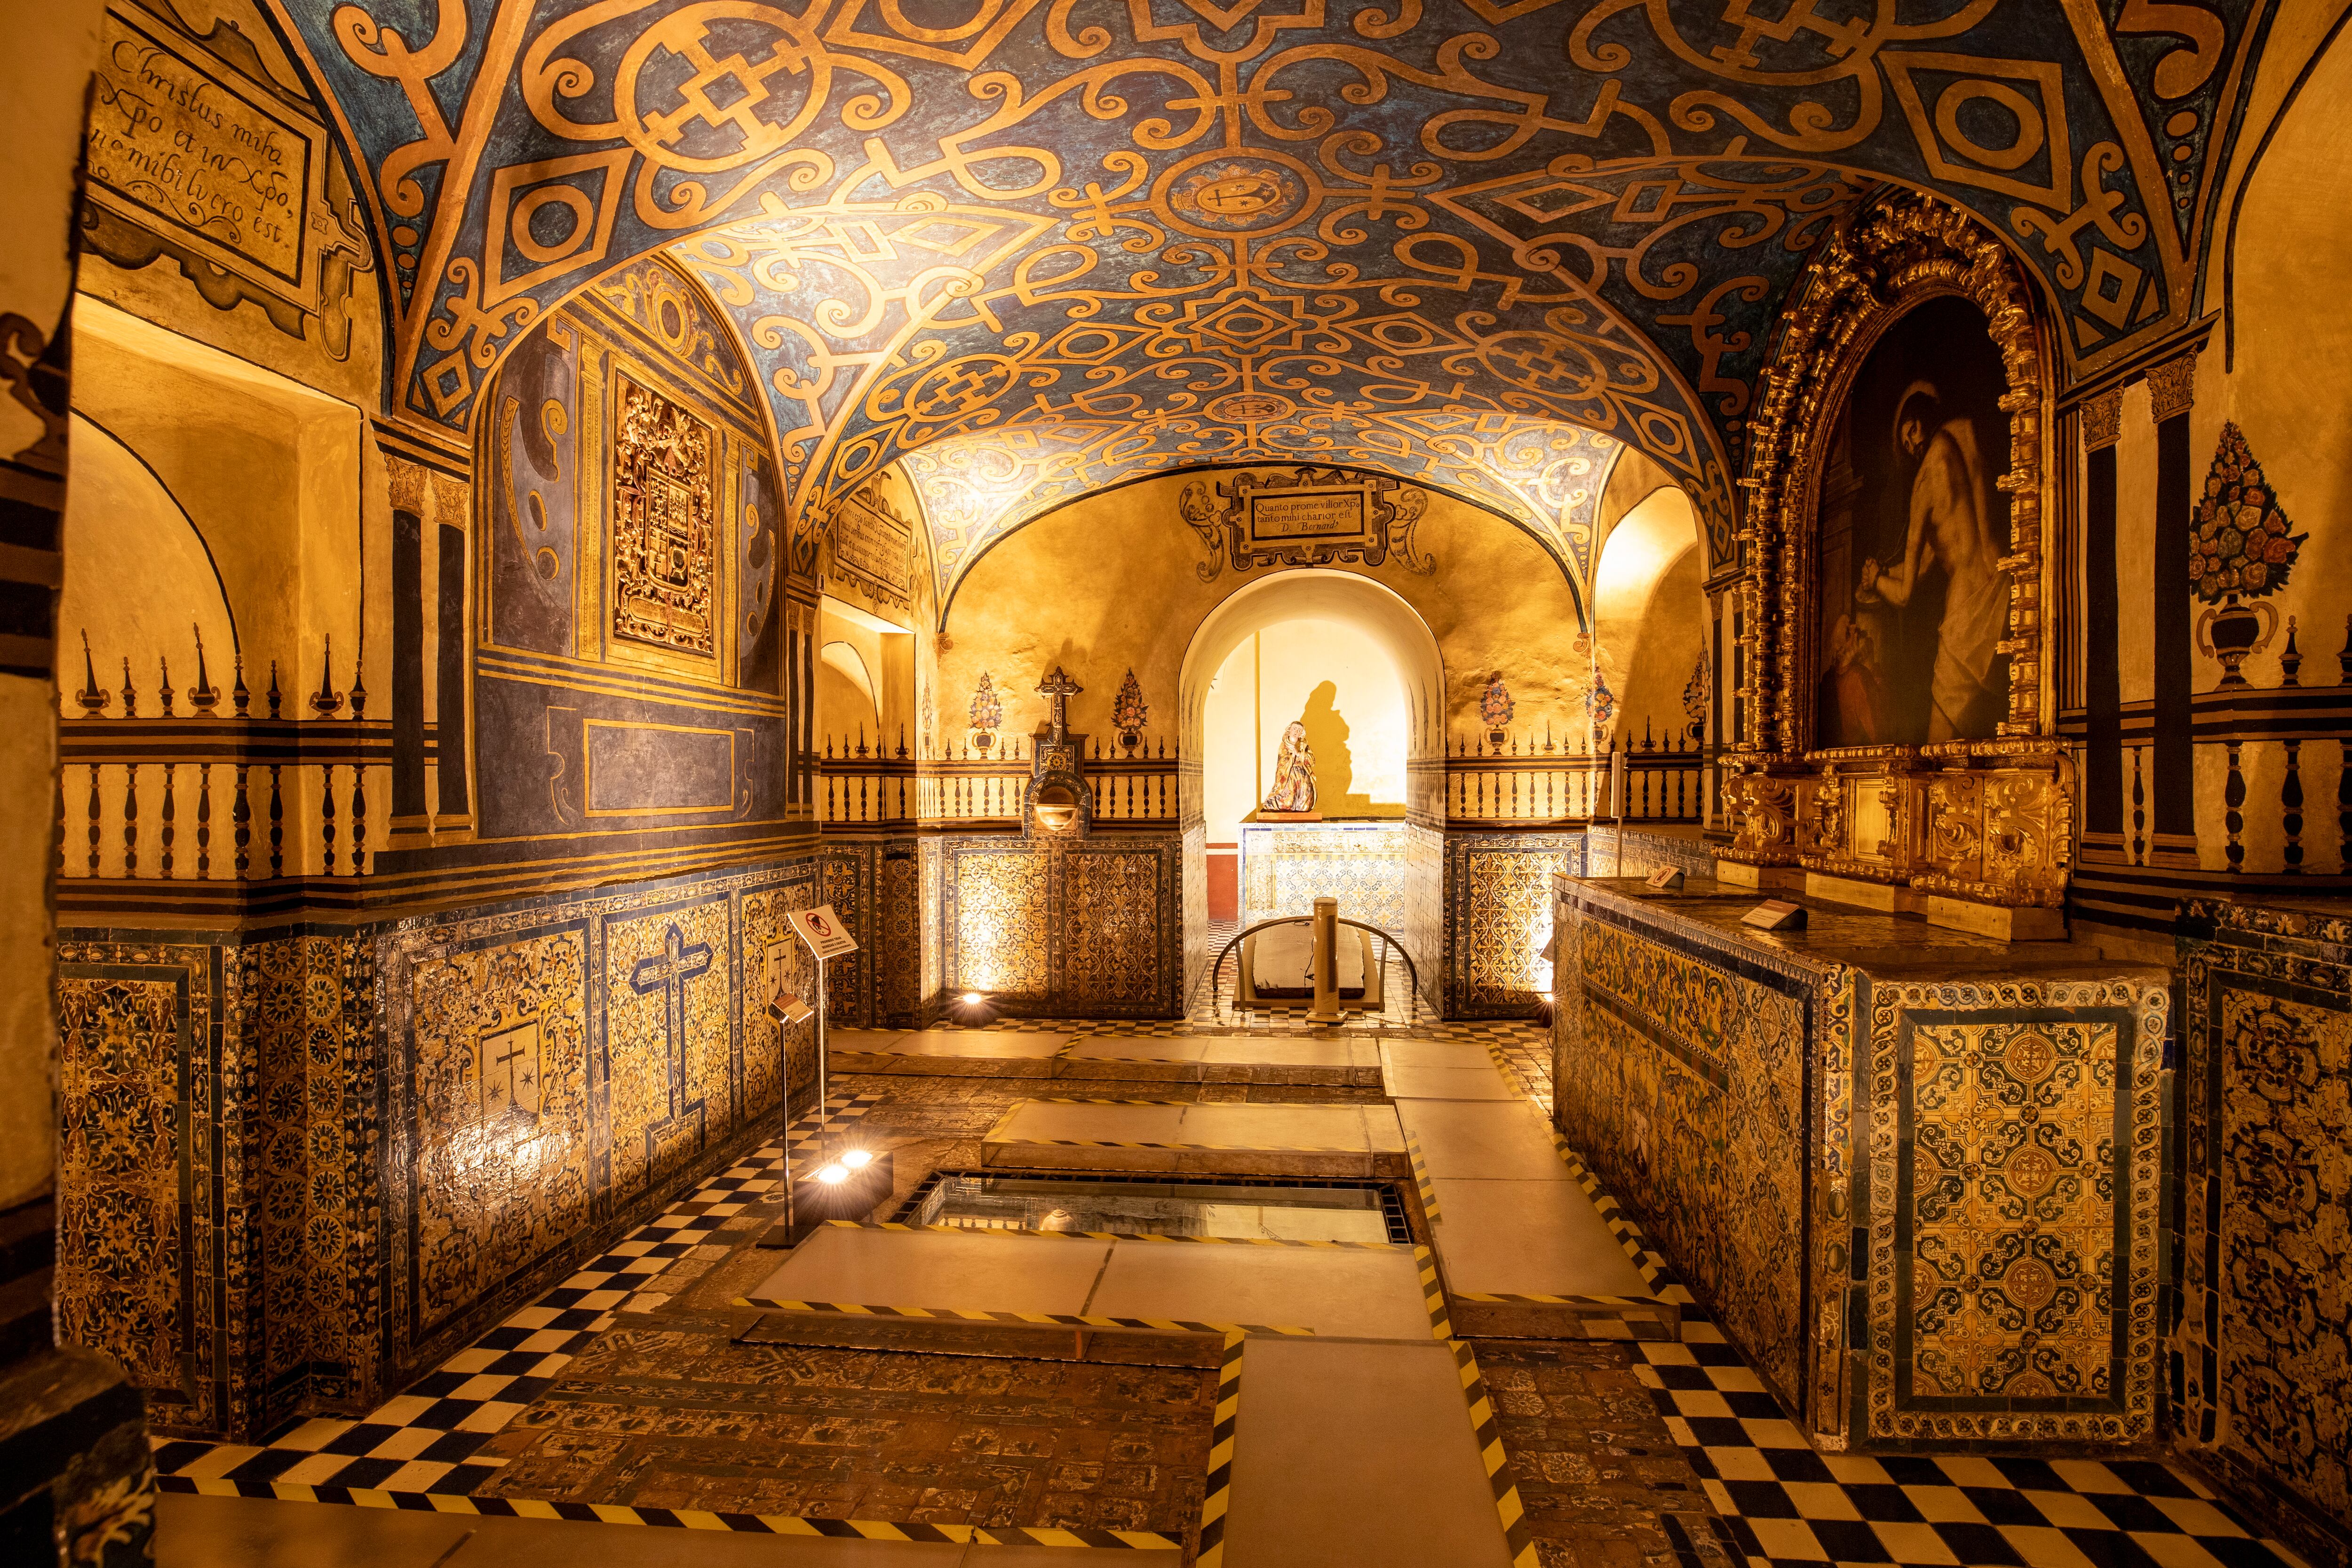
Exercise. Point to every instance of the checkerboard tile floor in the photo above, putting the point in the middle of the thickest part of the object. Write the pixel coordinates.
(426, 1440)
(1784, 1504)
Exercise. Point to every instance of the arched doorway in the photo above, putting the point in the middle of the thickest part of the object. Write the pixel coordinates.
(1357, 667)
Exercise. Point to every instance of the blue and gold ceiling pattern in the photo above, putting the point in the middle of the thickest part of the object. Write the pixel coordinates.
(1058, 243)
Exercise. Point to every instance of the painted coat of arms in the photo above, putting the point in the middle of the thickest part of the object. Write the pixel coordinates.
(664, 575)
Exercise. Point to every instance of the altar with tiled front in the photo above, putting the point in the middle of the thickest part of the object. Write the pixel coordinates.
(1912, 1171)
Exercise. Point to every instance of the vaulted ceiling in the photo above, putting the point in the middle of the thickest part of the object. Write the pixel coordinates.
(1033, 247)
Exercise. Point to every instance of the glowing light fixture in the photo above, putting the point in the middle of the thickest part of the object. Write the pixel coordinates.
(832, 1174)
(856, 1159)
(972, 999)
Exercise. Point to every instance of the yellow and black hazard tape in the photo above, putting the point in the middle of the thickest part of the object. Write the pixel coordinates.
(1482, 1415)
(1597, 1317)
(1426, 1187)
(1654, 1270)
(979, 1315)
(1220, 1148)
(673, 1518)
(1491, 1455)
(1118, 1236)
(1432, 1293)
(1503, 1065)
(1217, 1497)
(1086, 1100)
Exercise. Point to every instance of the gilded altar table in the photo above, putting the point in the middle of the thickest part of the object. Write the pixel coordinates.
(1911, 1171)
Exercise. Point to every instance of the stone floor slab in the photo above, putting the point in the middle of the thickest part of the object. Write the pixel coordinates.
(1479, 1083)
(1359, 1454)
(1528, 1237)
(1495, 1139)
(1368, 1294)
(929, 1269)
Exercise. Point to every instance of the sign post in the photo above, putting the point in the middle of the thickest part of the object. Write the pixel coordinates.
(826, 938)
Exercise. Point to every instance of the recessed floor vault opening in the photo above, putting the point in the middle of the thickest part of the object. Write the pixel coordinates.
(1227, 1208)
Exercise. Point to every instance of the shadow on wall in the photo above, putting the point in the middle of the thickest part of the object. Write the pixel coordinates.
(1335, 765)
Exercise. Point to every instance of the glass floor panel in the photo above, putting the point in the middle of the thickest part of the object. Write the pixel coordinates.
(1233, 1208)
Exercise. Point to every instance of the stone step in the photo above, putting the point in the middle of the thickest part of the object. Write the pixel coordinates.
(1320, 1062)
(1017, 1278)
(1521, 1248)
(1251, 1140)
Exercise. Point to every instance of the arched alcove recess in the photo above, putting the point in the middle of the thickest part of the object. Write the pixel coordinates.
(1650, 625)
(847, 699)
(1317, 594)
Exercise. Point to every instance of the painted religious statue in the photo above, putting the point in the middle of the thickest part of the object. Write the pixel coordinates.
(1292, 793)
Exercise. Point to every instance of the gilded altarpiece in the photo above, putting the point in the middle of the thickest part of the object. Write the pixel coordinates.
(1971, 798)
(2262, 1352)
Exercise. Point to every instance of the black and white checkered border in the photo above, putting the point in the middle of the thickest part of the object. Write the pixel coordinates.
(425, 1440)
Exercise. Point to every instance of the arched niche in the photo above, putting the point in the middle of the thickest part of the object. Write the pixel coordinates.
(123, 525)
(1650, 623)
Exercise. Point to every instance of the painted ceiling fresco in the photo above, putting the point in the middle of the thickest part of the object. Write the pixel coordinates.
(1035, 244)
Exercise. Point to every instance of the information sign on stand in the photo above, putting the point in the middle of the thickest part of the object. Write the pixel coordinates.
(1776, 915)
(1665, 879)
(824, 932)
(827, 937)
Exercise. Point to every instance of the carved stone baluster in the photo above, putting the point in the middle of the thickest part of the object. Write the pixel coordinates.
(240, 816)
(2291, 791)
(171, 811)
(205, 822)
(2233, 796)
(130, 820)
(2139, 813)
(93, 819)
(277, 815)
(327, 814)
(359, 819)
(2291, 798)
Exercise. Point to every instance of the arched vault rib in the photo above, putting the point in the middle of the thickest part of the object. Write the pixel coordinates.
(976, 491)
(1592, 206)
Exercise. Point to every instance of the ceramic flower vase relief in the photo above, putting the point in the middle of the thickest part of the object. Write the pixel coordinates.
(2239, 552)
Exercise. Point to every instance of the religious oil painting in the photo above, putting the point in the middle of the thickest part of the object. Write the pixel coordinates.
(1914, 604)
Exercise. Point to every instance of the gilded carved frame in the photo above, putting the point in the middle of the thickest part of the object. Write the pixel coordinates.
(1987, 819)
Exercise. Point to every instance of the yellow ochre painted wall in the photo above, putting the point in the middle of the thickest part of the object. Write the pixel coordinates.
(1113, 581)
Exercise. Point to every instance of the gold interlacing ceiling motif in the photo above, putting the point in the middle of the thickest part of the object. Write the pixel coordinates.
(1036, 247)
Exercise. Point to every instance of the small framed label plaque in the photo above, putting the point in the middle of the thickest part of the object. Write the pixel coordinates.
(1665, 879)
(1775, 915)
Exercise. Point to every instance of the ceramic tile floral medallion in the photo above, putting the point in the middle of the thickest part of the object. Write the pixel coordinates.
(2015, 1145)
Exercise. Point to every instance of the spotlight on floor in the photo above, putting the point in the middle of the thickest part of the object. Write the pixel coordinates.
(847, 1186)
(972, 1010)
(1545, 1008)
